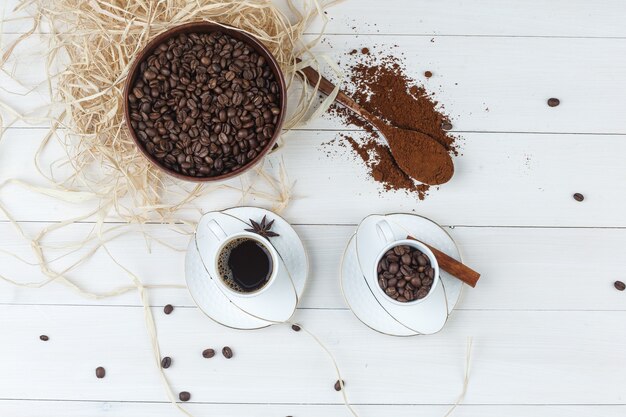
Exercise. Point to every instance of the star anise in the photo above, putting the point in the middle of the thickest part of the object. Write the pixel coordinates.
(263, 228)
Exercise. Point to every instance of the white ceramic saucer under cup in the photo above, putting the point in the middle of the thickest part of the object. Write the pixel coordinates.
(426, 317)
(359, 297)
(275, 304)
(211, 300)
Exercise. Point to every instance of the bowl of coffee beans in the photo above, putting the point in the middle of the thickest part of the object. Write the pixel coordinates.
(205, 102)
(407, 272)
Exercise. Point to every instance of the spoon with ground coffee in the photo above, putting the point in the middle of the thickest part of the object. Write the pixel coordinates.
(417, 154)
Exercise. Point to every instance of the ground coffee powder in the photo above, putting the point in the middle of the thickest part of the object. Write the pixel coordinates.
(380, 84)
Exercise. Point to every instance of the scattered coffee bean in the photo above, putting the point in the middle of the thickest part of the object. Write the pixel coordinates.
(227, 352)
(100, 372)
(44, 338)
(579, 197)
(295, 328)
(428, 74)
(405, 273)
(553, 102)
(446, 126)
(184, 396)
(208, 353)
(338, 385)
(619, 285)
(168, 309)
(204, 104)
(166, 362)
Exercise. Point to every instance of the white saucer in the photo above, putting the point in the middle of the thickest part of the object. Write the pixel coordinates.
(240, 312)
(357, 281)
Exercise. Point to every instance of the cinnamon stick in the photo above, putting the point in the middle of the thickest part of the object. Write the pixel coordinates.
(452, 266)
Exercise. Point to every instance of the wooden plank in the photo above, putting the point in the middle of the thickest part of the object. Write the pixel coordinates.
(522, 269)
(490, 18)
(42, 408)
(456, 17)
(485, 84)
(518, 358)
(500, 180)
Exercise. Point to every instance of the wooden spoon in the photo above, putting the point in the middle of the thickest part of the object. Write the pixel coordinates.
(417, 154)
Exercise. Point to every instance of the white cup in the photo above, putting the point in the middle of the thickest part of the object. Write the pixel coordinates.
(224, 240)
(385, 234)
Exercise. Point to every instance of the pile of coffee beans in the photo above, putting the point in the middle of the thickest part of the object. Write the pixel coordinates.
(405, 273)
(204, 104)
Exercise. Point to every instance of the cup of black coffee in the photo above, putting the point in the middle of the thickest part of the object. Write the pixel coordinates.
(406, 271)
(245, 263)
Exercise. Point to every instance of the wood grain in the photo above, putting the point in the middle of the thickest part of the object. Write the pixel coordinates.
(564, 18)
(484, 83)
(500, 180)
(523, 268)
(25, 408)
(546, 320)
(518, 357)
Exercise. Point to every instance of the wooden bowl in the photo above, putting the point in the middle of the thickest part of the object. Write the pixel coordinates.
(205, 27)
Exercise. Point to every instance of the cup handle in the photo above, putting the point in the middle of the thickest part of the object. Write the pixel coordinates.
(217, 230)
(384, 231)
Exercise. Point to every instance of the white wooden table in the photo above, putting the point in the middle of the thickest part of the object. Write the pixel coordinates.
(549, 329)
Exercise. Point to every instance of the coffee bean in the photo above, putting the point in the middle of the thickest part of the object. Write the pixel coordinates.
(553, 102)
(446, 126)
(208, 353)
(168, 309)
(405, 273)
(209, 86)
(166, 362)
(339, 385)
(184, 396)
(227, 352)
(44, 338)
(100, 372)
(428, 74)
(422, 292)
(578, 197)
(295, 328)
(619, 285)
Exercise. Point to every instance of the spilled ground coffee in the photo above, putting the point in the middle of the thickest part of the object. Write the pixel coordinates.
(381, 85)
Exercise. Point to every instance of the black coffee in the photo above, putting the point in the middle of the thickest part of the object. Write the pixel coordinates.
(245, 265)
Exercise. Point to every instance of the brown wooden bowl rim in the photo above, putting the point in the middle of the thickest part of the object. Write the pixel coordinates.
(207, 27)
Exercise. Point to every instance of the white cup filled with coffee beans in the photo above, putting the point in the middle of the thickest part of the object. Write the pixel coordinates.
(406, 270)
(245, 264)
